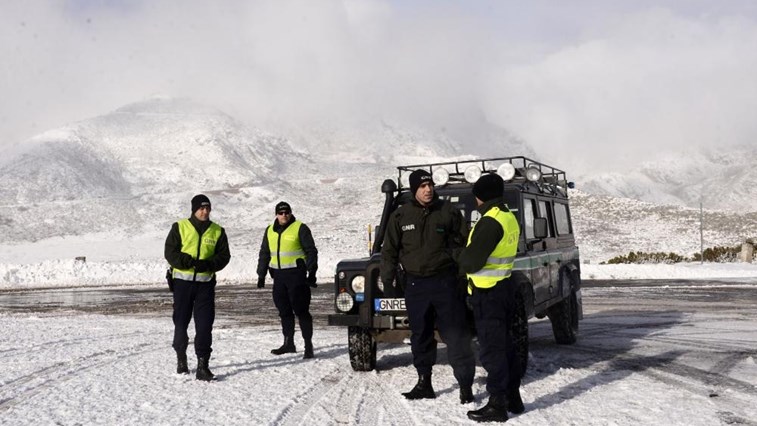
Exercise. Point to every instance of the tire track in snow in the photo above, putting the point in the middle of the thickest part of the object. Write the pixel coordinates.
(63, 371)
(364, 393)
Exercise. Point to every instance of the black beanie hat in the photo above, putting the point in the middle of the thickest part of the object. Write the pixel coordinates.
(283, 206)
(419, 177)
(198, 201)
(488, 187)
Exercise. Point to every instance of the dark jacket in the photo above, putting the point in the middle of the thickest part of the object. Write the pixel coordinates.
(180, 260)
(486, 235)
(425, 240)
(306, 240)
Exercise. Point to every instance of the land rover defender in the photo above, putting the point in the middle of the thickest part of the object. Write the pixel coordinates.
(546, 270)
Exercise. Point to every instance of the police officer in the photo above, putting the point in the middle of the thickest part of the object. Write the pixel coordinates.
(488, 262)
(289, 253)
(196, 249)
(424, 236)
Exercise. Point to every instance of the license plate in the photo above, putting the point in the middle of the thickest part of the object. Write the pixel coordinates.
(380, 305)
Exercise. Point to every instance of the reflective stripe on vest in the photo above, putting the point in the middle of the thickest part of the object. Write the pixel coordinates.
(285, 247)
(198, 247)
(499, 265)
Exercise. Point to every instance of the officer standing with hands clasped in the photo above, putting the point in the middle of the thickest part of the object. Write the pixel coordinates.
(425, 235)
(289, 253)
(488, 262)
(196, 249)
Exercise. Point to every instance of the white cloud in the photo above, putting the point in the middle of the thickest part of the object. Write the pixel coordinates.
(649, 81)
(614, 79)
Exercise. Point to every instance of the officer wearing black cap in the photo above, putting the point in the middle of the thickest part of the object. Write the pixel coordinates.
(288, 252)
(425, 235)
(196, 249)
(488, 262)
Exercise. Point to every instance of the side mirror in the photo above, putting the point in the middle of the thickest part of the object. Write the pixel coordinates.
(540, 227)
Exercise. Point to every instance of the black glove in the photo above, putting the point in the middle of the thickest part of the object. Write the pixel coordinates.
(201, 265)
(261, 282)
(311, 280)
(169, 279)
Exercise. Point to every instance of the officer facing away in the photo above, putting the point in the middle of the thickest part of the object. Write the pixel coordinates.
(425, 236)
(488, 262)
(196, 249)
(289, 253)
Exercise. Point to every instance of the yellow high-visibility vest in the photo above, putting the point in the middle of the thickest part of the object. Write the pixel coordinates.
(499, 265)
(199, 247)
(285, 247)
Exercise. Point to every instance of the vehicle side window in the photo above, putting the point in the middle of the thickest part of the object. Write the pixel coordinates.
(546, 212)
(561, 219)
(529, 213)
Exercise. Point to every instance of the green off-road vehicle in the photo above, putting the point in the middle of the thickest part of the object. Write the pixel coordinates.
(547, 268)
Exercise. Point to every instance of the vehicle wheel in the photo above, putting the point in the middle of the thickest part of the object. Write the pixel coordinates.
(519, 330)
(362, 348)
(564, 318)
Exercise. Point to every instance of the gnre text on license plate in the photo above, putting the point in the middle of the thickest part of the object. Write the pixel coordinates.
(389, 304)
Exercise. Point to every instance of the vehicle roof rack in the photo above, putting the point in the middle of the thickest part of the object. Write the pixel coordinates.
(551, 179)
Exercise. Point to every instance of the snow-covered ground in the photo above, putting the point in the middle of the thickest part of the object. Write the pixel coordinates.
(71, 273)
(652, 366)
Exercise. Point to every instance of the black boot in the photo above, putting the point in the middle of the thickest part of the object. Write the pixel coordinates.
(203, 372)
(286, 348)
(466, 395)
(422, 389)
(514, 402)
(181, 363)
(308, 350)
(494, 411)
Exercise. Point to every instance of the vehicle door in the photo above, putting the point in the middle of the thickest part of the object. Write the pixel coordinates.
(536, 258)
(553, 254)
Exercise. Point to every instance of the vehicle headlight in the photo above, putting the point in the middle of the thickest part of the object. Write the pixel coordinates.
(344, 302)
(358, 284)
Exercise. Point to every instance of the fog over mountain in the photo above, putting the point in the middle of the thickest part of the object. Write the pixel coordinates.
(594, 85)
(117, 181)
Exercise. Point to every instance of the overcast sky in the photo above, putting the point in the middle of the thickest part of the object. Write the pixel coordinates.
(615, 78)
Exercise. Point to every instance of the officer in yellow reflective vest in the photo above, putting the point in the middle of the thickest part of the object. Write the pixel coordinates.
(288, 252)
(196, 249)
(488, 260)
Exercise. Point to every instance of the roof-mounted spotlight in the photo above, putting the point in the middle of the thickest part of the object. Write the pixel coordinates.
(405, 180)
(506, 171)
(472, 173)
(533, 174)
(440, 176)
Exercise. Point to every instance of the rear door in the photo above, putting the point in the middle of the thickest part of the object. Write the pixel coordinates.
(535, 255)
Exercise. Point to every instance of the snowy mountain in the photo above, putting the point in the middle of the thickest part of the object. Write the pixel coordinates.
(156, 146)
(608, 226)
(109, 188)
(722, 180)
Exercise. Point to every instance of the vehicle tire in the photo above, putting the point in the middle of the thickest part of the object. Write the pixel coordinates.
(362, 348)
(564, 317)
(519, 330)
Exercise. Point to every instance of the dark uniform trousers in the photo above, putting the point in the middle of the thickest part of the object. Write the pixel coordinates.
(437, 299)
(198, 299)
(493, 311)
(291, 295)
